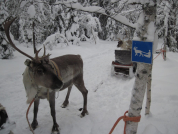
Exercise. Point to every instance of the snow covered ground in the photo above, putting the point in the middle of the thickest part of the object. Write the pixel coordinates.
(108, 97)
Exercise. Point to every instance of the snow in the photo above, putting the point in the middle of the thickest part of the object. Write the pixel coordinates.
(108, 97)
(150, 2)
(166, 12)
(151, 31)
(31, 11)
(155, 42)
(52, 40)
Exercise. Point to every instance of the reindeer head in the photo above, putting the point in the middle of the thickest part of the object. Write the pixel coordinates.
(41, 71)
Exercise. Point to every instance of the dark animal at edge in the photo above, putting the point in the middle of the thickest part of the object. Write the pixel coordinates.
(3, 116)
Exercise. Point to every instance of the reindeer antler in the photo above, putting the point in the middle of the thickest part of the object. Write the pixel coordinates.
(7, 25)
(37, 59)
(45, 57)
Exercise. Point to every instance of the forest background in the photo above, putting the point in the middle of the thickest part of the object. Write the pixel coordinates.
(69, 26)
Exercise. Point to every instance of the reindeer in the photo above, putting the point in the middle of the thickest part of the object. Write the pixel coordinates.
(138, 52)
(43, 77)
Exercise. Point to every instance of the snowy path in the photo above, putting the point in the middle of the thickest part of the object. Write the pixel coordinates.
(108, 97)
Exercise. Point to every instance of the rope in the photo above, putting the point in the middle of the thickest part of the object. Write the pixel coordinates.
(27, 115)
(29, 109)
(161, 51)
(56, 69)
(125, 119)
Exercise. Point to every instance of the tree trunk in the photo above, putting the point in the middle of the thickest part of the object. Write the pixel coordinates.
(34, 46)
(148, 100)
(177, 39)
(138, 91)
(103, 20)
(166, 10)
(147, 19)
(164, 48)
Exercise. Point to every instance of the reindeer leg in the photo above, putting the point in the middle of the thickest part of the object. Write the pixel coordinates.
(66, 101)
(79, 83)
(35, 111)
(53, 112)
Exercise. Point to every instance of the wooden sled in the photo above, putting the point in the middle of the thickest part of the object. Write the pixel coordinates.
(123, 63)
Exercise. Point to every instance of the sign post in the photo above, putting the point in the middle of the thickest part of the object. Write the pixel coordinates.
(142, 51)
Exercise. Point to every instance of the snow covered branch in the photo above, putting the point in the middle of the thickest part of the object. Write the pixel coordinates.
(97, 9)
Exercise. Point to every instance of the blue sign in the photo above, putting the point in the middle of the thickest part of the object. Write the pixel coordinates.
(142, 51)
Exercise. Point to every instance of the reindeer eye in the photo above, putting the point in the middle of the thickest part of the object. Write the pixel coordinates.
(40, 71)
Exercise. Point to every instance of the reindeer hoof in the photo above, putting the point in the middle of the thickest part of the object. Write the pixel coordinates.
(34, 124)
(87, 113)
(83, 114)
(55, 129)
(64, 105)
(55, 132)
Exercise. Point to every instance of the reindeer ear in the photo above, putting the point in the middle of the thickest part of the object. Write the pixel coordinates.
(27, 62)
(47, 60)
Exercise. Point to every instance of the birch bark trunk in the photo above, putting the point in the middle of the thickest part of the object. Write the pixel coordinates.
(138, 92)
(148, 100)
(143, 70)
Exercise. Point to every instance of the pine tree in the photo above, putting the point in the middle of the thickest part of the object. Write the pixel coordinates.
(7, 8)
(166, 23)
(43, 21)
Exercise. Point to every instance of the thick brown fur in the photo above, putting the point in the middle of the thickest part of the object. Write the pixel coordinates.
(42, 77)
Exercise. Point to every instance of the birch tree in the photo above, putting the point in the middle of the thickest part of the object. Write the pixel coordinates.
(144, 32)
